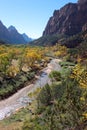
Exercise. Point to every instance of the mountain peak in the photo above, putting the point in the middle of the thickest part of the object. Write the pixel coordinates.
(12, 28)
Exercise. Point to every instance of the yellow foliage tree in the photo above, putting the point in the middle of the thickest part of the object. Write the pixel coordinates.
(80, 74)
(31, 57)
(12, 71)
(60, 51)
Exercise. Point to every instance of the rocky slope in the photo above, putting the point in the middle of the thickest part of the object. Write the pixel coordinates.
(70, 19)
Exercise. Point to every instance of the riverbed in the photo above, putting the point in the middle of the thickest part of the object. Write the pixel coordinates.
(21, 99)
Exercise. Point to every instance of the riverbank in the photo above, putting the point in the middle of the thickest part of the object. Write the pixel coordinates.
(20, 99)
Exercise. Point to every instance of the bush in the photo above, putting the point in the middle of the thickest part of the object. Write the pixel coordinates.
(67, 64)
(55, 76)
(44, 96)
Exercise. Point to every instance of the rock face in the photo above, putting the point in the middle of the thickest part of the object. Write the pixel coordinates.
(69, 20)
(82, 1)
(84, 28)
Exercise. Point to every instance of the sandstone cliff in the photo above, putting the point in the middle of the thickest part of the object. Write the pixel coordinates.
(70, 19)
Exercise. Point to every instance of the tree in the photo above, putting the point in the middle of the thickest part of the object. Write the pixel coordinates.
(80, 74)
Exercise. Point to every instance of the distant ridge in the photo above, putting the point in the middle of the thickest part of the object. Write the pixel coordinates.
(26, 38)
(15, 36)
(11, 35)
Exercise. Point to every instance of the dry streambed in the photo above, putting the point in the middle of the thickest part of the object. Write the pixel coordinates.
(20, 99)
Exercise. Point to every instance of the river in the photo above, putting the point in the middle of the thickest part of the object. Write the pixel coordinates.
(20, 99)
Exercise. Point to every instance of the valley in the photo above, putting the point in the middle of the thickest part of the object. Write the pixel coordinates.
(43, 80)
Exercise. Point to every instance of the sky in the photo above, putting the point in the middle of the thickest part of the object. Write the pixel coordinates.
(29, 16)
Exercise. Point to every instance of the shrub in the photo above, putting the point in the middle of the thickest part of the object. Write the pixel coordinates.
(55, 76)
(44, 96)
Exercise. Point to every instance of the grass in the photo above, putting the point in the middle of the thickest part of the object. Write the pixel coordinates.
(16, 120)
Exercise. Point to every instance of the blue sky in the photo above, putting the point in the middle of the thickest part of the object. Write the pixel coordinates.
(29, 16)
